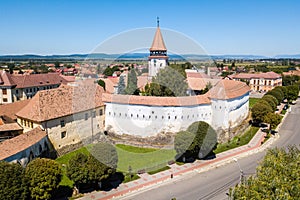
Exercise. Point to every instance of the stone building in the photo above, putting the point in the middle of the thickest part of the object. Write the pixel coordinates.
(69, 114)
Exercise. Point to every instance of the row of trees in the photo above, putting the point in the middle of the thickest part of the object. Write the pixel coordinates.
(39, 180)
(263, 110)
(199, 140)
(277, 177)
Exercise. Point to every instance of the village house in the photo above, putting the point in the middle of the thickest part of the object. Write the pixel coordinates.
(16, 87)
(259, 82)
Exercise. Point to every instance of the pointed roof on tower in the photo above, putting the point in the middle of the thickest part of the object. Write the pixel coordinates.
(158, 43)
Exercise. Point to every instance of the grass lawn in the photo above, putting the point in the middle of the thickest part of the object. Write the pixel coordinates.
(237, 141)
(253, 101)
(142, 158)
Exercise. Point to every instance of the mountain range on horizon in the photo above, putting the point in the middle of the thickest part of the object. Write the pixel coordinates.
(141, 56)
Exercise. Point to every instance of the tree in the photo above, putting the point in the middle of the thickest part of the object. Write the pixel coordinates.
(121, 85)
(168, 82)
(12, 182)
(277, 177)
(292, 92)
(101, 83)
(11, 67)
(86, 170)
(283, 89)
(43, 176)
(132, 83)
(182, 143)
(57, 65)
(278, 94)
(272, 101)
(259, 111)
(205, 138)
(272, 119)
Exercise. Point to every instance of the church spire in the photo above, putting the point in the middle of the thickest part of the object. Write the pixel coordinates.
(158, 43)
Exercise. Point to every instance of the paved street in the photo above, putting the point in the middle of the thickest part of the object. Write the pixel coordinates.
(214, 184)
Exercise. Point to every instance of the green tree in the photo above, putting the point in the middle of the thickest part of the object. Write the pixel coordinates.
(283, 89)
(11, 67)
(101, 83)
(121, 85)
(86, 170)
(278, 94)
(272, 101)
(292, 92)
(43, 176)
(132, 83)
(277, 177)
(12, 182)
(205, 138)
(272, 119)
(259, 111)
(57, 65)
(182, 143)
(168, 82)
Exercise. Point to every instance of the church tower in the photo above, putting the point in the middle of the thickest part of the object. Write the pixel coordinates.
(158, 58)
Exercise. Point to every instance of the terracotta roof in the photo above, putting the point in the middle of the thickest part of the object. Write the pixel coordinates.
(267, 75)
(110, 84)
(10, 127)
(21, 142)
(63, 101)
(158, 42)
(200, 83)
(30, 80)
(228, 89)
(142, 81)
(196, 75)
(156, 101)
(11, 109)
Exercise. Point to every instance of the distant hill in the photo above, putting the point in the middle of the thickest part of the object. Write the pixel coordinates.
(139, 56)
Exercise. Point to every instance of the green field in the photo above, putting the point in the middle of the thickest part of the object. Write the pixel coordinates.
(253, 101)
(143, 158)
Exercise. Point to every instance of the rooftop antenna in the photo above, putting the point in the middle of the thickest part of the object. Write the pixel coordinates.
(157, 21)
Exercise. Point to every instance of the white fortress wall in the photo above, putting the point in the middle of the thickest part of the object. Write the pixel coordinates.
(145, 120)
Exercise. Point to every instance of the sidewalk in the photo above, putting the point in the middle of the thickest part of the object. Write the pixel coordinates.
(177, 171)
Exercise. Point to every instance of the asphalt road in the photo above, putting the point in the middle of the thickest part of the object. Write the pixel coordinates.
(215, 183)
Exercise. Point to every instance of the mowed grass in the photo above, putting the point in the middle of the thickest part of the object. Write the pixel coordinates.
(147, 159)
(237, 140)
(253, 101)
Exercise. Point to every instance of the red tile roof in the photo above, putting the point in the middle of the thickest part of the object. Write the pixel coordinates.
(156, 101)
(200, 83)
(267, 75)
(31, 80)
(228, 89)
(11, 109)
(21, 142)
(63, 101)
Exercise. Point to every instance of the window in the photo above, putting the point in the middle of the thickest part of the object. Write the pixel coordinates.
(63, 134)
(86, 116)
(62, 123)
(31, 124)
(94, 114)
(4, 91)
(17, 91)
(100, 112)
(4, 99)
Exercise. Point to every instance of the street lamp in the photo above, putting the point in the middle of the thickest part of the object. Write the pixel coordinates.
(241, 171)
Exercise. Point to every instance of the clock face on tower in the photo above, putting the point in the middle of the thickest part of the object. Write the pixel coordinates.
(154, 60)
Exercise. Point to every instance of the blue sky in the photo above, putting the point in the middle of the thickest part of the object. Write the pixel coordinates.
(260, 27)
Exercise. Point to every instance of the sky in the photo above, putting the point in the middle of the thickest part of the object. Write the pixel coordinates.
(247, 27)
